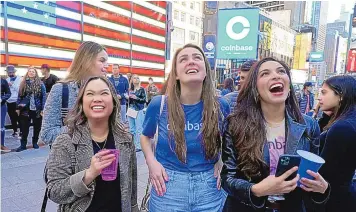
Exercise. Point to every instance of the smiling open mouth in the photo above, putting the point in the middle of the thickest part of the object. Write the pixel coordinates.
(97, 108)
(276, 88)
(192, 71)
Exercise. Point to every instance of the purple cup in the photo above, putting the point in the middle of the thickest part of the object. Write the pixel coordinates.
(308, 161)
(110, 173)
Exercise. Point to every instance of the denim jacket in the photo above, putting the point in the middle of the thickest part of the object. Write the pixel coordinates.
(238, 186)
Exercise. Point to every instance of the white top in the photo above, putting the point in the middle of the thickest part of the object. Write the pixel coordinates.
(14, 88)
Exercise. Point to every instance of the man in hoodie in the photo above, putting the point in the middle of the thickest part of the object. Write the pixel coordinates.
(14, 84)
(121, 85)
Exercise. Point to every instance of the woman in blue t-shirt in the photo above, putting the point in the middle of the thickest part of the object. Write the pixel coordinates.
(185, 167)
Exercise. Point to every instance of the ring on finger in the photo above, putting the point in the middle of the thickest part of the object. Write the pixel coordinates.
(98, 157)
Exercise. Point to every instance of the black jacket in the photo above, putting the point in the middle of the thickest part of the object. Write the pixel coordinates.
(340, 163)
(139, 103)
(238, 186)
(5, 91)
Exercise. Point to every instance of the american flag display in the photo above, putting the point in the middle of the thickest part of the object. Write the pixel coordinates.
(49, 32)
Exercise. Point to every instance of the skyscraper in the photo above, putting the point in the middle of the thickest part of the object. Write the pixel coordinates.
(319, 21)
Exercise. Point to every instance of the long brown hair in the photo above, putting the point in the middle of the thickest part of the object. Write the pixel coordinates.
(77, 117)
(82, 63)
(210, 131)
(345, 87)
(247, 123)
(34, 87)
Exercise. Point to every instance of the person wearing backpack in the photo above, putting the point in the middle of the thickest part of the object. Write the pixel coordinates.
(75, 167)
(90, 60)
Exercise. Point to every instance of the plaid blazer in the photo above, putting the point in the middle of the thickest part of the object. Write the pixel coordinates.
(69, 191)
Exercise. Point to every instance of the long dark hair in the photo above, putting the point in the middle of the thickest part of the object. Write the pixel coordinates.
(247, 123)
(229, 84)
(77, 117)
(211, 139)
(345, 87)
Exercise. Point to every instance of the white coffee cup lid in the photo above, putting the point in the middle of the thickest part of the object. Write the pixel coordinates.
(310, 156)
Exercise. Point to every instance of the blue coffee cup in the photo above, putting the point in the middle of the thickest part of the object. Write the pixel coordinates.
(308, 161)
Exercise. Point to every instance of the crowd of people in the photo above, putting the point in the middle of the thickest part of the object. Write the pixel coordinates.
(204, 151)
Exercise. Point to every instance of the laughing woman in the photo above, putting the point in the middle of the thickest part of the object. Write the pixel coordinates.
(266, 124)
(185, 168)
(77, 158)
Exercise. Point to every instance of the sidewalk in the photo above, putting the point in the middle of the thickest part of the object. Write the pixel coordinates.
(22, 184)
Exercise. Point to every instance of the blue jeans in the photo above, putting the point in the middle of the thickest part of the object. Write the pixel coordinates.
(135, 125)
(3, 116)
(123, 113)
(189, 192)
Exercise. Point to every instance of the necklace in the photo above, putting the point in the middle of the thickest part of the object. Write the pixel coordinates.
(103, 146)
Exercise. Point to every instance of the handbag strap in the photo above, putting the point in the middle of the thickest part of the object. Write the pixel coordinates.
(155, 138)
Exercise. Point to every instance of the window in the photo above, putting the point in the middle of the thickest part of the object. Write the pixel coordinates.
(176, 15)
(184, 3)
(179, 35)
(192, 5)
(194, 37)
(199, 6)
(191, 20)
(197, 22)
(182, 17)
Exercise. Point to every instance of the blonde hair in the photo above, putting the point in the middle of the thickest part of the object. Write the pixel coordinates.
(82, 63)
(133, 85)
(35, 87)
(210, 134)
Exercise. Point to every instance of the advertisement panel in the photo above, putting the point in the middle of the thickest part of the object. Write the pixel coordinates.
(316, 57)
(297, 51)
(238, 33)
(209, 49)
(351, 61)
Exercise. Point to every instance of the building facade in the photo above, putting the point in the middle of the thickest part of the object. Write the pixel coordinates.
(331, 45)
(187, 19)
(36, 33)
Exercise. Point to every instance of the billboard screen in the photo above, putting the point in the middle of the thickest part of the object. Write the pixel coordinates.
(351, 61)
(209, 49)
(238, 33)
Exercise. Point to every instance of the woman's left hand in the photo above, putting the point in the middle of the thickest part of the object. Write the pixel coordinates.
(217, 169)
(318, 185)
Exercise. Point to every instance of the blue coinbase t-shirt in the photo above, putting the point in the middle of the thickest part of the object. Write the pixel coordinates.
(196, 161)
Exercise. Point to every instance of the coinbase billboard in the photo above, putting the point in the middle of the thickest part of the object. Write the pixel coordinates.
(238, 33)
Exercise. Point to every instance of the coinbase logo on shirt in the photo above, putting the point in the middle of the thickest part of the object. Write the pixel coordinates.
(190, 126)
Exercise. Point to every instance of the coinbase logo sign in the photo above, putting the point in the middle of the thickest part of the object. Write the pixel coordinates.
(238, 33)
(230, 25)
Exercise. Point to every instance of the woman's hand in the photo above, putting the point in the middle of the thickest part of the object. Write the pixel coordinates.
(273, 185)
(18, 112)
(318, 185)
(158, 176)
(98, 162)
(217, 169)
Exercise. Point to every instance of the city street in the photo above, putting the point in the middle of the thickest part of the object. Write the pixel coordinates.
(22, 184)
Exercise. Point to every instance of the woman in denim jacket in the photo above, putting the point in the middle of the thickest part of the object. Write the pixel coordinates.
(30, 104)
(266, 124)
